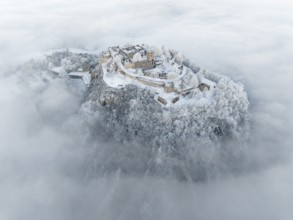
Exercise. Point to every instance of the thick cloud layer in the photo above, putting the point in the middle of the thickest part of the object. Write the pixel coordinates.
(46, 167)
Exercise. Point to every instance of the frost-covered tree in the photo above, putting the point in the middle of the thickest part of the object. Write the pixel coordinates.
(157, 51)
(179, 58)
(166, 52)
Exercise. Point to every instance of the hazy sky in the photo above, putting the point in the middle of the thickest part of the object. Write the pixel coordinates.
(43, 149)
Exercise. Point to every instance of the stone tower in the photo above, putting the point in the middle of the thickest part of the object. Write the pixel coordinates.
(150, 55)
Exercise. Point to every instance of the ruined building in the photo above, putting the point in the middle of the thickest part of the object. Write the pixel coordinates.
(170, 79)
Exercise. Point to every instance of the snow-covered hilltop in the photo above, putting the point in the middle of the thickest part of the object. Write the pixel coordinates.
(157, 69)
(169, 113)
(151, 94)
(155, 96)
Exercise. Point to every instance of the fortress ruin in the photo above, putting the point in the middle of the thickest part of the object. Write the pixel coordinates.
(164, 73)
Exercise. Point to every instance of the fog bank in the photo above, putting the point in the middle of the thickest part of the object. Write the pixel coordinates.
(47, 170)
